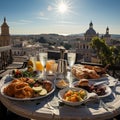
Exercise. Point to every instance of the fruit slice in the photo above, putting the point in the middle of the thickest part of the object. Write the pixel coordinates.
(37, 89)
(43, 92)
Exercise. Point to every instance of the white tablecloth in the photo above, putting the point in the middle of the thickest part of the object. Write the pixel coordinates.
(49, 109)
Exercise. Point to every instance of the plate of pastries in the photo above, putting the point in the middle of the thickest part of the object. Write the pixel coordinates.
(102, 90)
(88, 72)
(27, 89)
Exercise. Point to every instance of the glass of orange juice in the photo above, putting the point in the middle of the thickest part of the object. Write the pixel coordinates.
(51, 68)
(39, 66)
(49, 65)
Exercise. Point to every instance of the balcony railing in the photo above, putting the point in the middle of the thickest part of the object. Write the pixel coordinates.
(4, 48)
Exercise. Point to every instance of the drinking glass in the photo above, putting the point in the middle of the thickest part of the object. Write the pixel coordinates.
(33, 60)
(71, 57)
(39, 66)
(43, 56)
(51, 68)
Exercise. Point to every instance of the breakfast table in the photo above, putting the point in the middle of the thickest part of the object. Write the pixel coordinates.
(51, 108)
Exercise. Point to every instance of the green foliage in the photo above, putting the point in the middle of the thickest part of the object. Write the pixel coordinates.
(67, 46)
(107, 54)
(41, 40)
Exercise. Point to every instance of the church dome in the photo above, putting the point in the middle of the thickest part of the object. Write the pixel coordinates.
(90, 31)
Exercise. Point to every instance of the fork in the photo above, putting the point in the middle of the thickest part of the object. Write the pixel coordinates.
(114, 87)
(105, 106)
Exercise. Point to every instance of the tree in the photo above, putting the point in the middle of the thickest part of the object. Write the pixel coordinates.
(41, 40)
(67, 46)
(106, 54)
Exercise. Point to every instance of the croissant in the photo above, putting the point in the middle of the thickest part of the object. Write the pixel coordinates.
(19, 89)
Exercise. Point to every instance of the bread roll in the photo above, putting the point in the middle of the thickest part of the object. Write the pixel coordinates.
(83, 82)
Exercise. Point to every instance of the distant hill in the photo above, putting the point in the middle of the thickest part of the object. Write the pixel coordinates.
(113, 36)
(79, 34)
(56, 37)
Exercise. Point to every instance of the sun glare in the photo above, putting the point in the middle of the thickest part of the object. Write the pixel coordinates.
(62, 7)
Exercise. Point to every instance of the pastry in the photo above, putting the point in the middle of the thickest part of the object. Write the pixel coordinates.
(83, 82)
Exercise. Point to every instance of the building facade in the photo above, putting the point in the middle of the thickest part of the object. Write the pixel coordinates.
(5, 46)
(82, 45)
(107, 37)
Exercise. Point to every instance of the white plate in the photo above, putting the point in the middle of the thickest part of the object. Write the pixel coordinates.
(108, 90)
(63, 91)
(21, 99)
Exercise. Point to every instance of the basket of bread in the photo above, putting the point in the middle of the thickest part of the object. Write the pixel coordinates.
(88, 72)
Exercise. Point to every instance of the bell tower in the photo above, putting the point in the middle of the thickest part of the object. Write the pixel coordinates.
(107, 30)
(4, 28)
(107, 36)
(5, 36)
(5, 46)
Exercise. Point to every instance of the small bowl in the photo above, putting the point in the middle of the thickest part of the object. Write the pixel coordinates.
(63, 91)
(61, 83)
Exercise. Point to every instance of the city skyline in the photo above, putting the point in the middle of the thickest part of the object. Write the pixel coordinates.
(60, 16)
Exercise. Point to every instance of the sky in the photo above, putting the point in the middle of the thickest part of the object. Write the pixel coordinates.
(60, 16)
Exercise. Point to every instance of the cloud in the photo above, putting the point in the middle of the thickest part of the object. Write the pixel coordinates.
(41, 13)
(67, 22)
(19, 22)
(49, 8)
(25, 21)
(42, 18)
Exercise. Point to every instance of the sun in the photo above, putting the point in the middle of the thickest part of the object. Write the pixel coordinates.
(62, 7)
